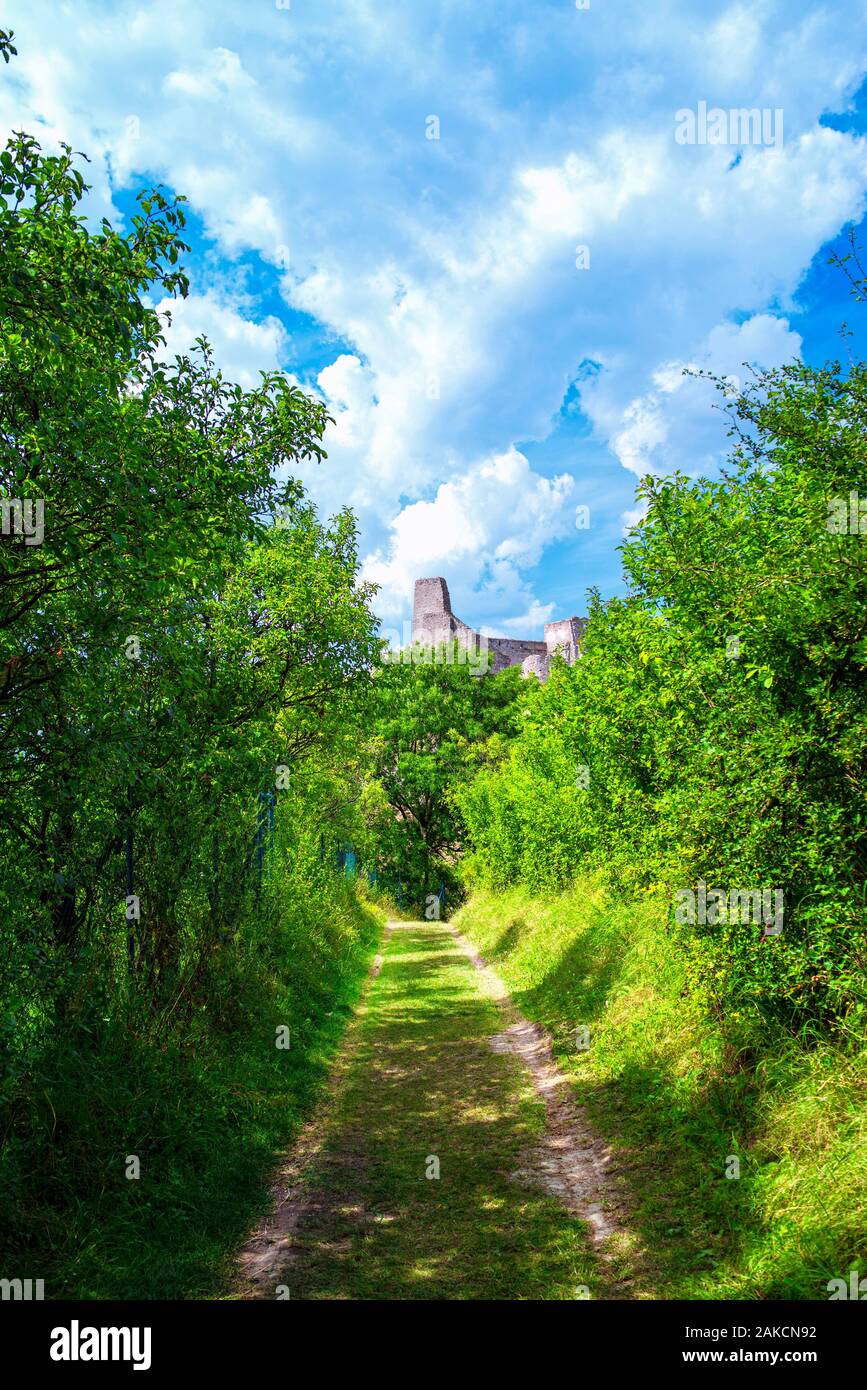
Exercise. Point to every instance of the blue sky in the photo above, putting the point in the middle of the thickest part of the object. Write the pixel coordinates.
(484, 386)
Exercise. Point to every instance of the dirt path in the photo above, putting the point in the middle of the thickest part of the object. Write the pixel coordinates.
(448, 1159)
(570, 1161)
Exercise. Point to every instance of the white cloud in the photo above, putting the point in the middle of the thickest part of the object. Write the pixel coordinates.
(449, 266)
(674, 426)
(484, 527)
(505, 314)
(217, 74)
(241, 348)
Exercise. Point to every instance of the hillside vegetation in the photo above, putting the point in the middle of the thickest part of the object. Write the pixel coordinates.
(679, 1093)
(672, 850)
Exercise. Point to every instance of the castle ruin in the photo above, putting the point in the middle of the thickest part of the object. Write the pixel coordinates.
(433, 622)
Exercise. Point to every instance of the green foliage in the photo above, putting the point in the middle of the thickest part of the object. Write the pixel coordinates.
(426, 719)
(714, 728)
(207, 1103)
(163, 649)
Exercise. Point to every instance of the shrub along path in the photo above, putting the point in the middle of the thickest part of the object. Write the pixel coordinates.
(448, 1160)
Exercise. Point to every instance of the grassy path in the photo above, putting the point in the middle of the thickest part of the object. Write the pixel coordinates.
(420, 1090)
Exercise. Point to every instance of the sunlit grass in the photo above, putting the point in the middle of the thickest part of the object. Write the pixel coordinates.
(677, 1094)
(424, 1083)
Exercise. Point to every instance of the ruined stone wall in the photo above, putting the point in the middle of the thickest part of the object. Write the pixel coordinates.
(433, 622)
(565, 636)
(510, 651)
(536, 666)
(432, 617)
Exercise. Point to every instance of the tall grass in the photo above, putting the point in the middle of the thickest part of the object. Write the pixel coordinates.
(679, 1095)
(205, 1103)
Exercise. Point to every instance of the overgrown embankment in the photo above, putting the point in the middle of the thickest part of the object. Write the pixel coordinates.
(679, 1095)
(136, 1158)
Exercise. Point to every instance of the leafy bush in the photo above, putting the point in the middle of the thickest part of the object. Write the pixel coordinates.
(424, 720)
(713, 732)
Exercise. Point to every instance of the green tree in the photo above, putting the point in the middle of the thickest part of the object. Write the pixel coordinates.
(163, 644)
(429, 713)
(715, 728)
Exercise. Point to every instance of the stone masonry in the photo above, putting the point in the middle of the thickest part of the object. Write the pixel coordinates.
(434, 622)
